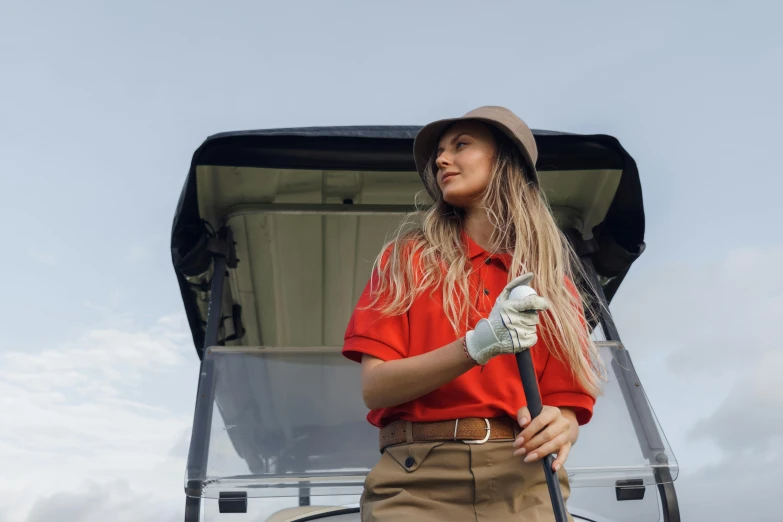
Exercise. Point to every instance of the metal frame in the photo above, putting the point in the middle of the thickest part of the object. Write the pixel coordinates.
(223, 255)
(644, 423)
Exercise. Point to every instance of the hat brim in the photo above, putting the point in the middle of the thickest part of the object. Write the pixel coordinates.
(427, 139)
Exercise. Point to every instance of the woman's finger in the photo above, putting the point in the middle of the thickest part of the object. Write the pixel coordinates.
(550, 433)
(562, 455)
(539, 439)
(553, 446)
(523, 416)
(547, 415)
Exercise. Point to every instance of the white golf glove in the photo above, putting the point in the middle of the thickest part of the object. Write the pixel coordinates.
(511, 325)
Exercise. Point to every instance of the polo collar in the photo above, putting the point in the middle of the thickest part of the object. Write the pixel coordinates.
(476, 251)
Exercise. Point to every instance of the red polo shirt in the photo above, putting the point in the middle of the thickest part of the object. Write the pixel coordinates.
(494, 391)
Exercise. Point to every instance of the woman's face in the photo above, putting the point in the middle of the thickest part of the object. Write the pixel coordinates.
(464, 163)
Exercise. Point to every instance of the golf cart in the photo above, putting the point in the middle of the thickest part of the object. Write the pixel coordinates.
(272, 243)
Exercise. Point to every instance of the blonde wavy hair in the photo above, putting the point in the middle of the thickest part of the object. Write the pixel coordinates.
(523, 226)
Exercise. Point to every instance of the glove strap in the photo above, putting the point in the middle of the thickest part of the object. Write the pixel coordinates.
(467, 353)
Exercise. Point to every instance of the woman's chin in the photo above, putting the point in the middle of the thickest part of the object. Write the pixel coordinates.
(458, 199)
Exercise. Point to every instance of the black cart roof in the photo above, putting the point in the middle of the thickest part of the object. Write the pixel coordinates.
(591, 181)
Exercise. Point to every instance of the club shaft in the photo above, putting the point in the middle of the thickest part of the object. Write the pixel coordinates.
(530, 384)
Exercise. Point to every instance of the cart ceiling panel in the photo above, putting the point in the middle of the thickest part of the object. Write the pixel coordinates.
(579, 198)
(301, 273)
(300, 276)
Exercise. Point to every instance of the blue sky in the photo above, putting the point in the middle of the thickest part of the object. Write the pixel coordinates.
(103, 104)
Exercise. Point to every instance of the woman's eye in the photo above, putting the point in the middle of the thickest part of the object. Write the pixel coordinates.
(459, 144)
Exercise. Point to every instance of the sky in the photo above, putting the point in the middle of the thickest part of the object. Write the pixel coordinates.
(103, 103)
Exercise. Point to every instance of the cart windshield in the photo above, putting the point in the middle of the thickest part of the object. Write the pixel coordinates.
(290, 422)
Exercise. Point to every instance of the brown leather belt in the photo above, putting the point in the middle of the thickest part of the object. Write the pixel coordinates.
(470, 431)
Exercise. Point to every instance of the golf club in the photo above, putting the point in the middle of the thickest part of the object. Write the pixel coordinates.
(530, 384)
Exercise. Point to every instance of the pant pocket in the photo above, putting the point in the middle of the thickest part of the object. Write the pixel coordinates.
(422, 482)
(397, 464)
(410, 456)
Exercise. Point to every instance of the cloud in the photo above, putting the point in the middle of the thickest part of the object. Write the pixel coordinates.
(95, 426)
(110, 355)
(737, 488)
(114, 501)
(704, 337)
(750, 422)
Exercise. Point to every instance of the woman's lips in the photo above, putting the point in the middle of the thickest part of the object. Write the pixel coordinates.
(447, 175)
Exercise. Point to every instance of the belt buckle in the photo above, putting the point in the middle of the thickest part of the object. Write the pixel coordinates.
(479, 441)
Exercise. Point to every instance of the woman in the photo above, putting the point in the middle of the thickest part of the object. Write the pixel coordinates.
(438, 371)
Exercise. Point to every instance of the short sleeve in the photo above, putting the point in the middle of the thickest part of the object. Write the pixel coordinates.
(560, 388)
(379, 335)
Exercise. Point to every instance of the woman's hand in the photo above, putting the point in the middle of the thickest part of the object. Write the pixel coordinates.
(553, 431)
(511, 325)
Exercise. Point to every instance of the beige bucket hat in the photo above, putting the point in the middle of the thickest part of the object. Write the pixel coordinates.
(503, 119)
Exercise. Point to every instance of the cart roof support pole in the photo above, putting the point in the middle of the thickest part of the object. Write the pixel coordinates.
(223, 257)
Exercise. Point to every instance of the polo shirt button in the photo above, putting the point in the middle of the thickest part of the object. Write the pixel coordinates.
(486, 291)
(409, 462)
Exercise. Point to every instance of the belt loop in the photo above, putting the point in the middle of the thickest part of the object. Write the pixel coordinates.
(408, 432)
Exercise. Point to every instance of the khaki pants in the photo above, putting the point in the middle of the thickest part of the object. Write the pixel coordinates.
(455, 482)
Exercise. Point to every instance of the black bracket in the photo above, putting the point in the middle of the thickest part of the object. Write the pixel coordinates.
(232, 502)
(629, 489)
(581, 247)
(225, 246)
(236, 321)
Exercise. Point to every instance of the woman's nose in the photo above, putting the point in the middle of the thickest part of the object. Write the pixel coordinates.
(442, 161)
